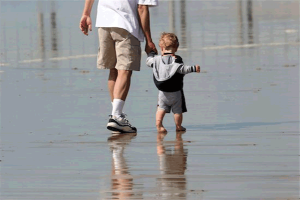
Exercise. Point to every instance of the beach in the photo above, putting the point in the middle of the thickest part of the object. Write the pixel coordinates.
(242, 138)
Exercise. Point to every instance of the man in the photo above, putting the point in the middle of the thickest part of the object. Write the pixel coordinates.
(122, 25)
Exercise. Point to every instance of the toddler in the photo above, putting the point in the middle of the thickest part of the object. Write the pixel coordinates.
(168, 73)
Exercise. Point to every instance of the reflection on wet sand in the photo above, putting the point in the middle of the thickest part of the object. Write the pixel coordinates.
(240, 22)
(53, 30)
(183, 24)
(250, 22)
(240, 26)
(122, 181)
(172, 162)
(172, 16)
(41, 31)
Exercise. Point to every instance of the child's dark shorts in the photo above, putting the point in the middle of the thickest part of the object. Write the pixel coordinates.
(171, 101)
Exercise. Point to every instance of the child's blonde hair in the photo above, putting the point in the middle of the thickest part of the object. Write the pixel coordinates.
(168, 41)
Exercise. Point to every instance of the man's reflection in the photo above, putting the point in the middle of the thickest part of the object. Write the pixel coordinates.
(172, 162)
(122, 181)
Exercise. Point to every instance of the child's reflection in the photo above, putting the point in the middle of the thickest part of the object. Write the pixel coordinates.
(172, 161)
(122, 181)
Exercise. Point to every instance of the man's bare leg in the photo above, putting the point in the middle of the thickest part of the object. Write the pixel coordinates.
(118, 91)
(178, 122)
(113, 74)
(119, 84)
(122, 84)
(160, 113)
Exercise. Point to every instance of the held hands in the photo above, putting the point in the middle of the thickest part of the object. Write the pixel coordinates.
(197, 68)
(85, 24)
(150, 46)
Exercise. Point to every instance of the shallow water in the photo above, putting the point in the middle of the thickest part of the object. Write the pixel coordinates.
(242, 139)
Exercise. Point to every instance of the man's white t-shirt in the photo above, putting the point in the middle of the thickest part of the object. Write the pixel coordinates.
(122, 14)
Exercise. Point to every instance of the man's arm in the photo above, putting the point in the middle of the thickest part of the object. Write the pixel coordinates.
(86, 22)
(144, 19)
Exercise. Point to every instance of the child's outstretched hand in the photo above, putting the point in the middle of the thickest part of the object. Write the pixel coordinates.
(197, 68)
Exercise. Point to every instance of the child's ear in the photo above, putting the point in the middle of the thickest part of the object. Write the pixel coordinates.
(161, 49)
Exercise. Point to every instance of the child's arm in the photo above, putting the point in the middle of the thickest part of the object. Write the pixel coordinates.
(185, 69)
(150, 59)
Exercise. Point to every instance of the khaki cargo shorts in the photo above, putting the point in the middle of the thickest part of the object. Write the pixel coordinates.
(118, 49)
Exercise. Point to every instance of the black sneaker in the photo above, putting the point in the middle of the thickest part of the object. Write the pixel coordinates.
(120, 124)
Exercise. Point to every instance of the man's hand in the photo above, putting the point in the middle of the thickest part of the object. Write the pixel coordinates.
(197, 68)
(150, 46)
(144, 20)
(85, 24)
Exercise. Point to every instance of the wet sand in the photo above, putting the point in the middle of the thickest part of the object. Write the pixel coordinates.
(242, 138)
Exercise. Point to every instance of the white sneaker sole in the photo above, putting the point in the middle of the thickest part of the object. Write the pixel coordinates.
(115, 127)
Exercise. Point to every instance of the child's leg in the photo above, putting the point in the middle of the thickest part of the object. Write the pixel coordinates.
(178, 122)
(160, 113)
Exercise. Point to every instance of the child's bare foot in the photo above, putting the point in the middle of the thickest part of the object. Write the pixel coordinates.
(161, 129)
(180, 128)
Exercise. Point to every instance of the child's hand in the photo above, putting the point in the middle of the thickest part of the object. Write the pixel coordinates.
(197, 68)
